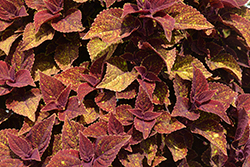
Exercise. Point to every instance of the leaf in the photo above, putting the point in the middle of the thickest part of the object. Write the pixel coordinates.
(50, 87)
(187, 17)
(176, 144)
(70, 131)
(147, 86)
(110, 27)
(227, 62)
(166, 124)
(92, 111)
(40, 134)
(54, 6)
(184, 68)
(114, 126)
(149, 146)
(83, 90)
(25, 103)
(4, 115)
(147, 75)
(96, 130)
(65, 158)
(73, 109)
(85, 148)
(6, 44)
(144, 126)
(224, 94)
(106, 101)
(66, 54)
(97, 48)
(21, 148)
(116, 80)
(243, 101)
(22, 78)
(240, 24)
(212, 131)
(72, 76)
(158, 160)
(161, 94)
(146, 116)
(35, 4)
(32, 39)
(106, 149)
(5, 24)
(5, 151)
(129, 93)
(123, 114)
(70, 23)
(181, 87)
(131, 159)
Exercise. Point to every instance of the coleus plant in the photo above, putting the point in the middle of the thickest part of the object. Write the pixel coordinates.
(124, 83)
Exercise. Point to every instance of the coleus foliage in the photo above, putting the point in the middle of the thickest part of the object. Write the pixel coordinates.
(114, 83)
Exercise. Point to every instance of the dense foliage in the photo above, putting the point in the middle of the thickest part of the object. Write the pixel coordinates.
(124, 83)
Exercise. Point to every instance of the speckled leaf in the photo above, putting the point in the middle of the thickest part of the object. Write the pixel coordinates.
(181, 87)
(224, 94)
(114, 126)
(168, 57)
(243, 101)
(5, 151)
(22, 78)
(130, 159)
(70, 23)
(212, 131)
(42, 17)
(144, 126)
(35, 4)
(110, 27)
(72, 76)
(54, 6)
(85, 148)
(66, 53)
(23, 59)
(146, 116)
(149, 147)
(22, 148)
(65, 158)
(240, 24)
(70, 130)
(106, 149)
(96, 130)
(147, 86)
(6, 44)
(40, 134)
(25, 103)
(80, 1)
(124, 115)
(119, 62)
(143, 101)
(73, 109)
(161, 94)
(50, 87)
(176, 144)
(166, 124)
(96, 48)
(117, 80)
(187, 17)
(147, 75)
(32, 39)
(96, 68)
(129, 93)
(4, 24)
(92, 111)
(227, 62)
(184, 68)
(181, 108)
(45, 64)
(106, 101)
(158, 160)
(83, 90)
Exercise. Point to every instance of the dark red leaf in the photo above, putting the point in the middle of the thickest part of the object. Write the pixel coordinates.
(21, 147)
(129, 93)
(147, 86)
(243, 101)
(147, 116)
(12, 162)
(54, 6)
(22, 78)
(144, 126)
(96, 130)
(153, 63)
(123, 115)
(106, 149)
(85, 148)
(70, 131)
(161, 94)
(65, 158)
(143, 102)
(40, 134)
(204, 96)
(114, 126)
(106, 101)
(83, 90)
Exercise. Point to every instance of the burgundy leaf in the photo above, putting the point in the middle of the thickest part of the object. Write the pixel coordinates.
(114, 126)
(65, 158)
(73, 109)
(83, 90)
(106, 101)
(12, 162)
(182, 107)
(70, 131)
(85, 148)
(35, 4)
(21, 147)
(124, 115)
(243, 101)
(51, 88)
(143, 102)
(43, 16)
(96, 130)
(40, 134)
(204, 96)
(150, 76)
(54, 6)
(106, 149)
(22, 78)
(144, 126)
(147, 116)
(129, 93)
(4, 72)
